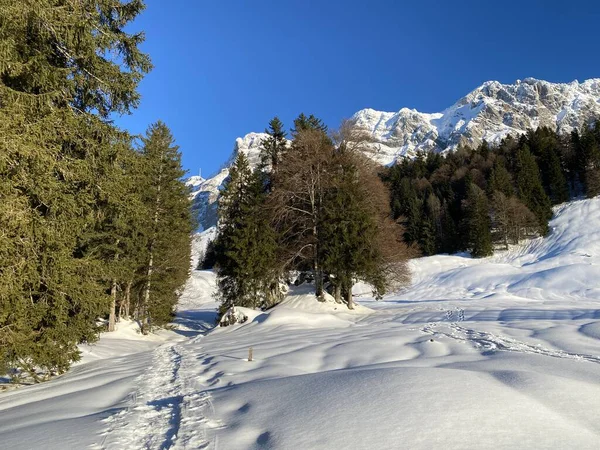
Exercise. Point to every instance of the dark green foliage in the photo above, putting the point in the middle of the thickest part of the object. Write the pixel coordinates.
(556, 183)
(246, 244)
(303, 123)
(427, 237)
(500, 179)
(326, 211)
(274, 145)
(348, 227)
(540, 168)
(167, 227)
(209, 257)
(62, 164)
(589, 160)
(477, 222)
(80, 215)
(529, 187)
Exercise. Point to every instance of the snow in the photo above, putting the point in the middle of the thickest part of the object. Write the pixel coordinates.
(480, 115)
(490, 112)
(502, 352)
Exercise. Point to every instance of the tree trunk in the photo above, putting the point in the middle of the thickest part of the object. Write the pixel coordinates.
(337, 293)
(349, 299)
(125, 304)
(113, 306)
(319, 284)
(144, 309)
(112, 316)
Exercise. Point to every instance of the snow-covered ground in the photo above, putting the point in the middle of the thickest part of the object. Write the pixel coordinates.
(502, 352)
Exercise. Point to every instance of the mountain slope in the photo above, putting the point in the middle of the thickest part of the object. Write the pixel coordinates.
(491, 112)
(205, 192)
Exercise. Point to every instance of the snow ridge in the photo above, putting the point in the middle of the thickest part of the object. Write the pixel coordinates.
(491, 112)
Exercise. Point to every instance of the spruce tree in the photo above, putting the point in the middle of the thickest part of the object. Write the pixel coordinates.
(60, 80)
(529, 187)
(557, 187)
(359, 241)
(246, 245)
(477, 222)
(303, 123)
(499, 180)
(167, 228)
(590, 162)
(274, 145)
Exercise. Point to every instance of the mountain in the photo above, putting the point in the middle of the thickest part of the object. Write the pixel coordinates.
(490, 112)
(205, 192)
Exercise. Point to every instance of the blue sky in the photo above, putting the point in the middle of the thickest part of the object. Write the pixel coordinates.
(224, 68)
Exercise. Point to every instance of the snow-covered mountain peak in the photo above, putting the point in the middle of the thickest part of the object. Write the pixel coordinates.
(249, 145)
(490, 112)
(205, 192)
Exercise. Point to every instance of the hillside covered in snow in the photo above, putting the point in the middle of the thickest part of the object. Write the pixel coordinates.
(500, 352)
(490, 112)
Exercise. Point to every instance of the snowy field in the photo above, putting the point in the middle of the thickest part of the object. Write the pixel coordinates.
(498, 353)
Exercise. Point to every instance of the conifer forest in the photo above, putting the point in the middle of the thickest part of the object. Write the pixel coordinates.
(95, 223)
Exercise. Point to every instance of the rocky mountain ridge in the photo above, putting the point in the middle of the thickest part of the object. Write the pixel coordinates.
(490, 112)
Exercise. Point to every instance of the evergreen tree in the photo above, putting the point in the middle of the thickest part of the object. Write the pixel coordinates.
(274, 145)
(358, 240)
(590, 162)
(427, 237)
(246, 245)
(499, 180)
(477, 222)
(59, 83)
(168, 227)
(529, 187)
(557, 187)
(303, 123)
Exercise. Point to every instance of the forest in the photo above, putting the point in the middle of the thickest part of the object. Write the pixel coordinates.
(480, 199)
(95, 223)
(319, 209)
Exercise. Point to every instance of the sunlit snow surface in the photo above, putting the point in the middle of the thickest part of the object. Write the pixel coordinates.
(497, 353)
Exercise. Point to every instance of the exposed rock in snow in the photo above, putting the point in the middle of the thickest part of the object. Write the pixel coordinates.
(206, 192)
(490, 112)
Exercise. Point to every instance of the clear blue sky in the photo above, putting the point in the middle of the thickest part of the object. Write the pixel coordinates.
(224, 68)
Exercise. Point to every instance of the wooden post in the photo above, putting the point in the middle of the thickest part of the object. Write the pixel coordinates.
(250, 354)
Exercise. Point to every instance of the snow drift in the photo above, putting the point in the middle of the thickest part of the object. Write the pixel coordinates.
(501, 352)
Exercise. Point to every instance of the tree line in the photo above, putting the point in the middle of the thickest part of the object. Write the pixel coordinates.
(478, 199)
(316, 207)
(94, 225)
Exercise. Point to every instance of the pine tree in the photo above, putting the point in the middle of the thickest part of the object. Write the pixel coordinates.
(59, 84)
(246, 245)
(477, 222)
(167, 228)
(274, 145)
(529, 187)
